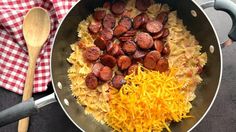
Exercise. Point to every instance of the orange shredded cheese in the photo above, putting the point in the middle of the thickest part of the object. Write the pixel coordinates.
(149, 101)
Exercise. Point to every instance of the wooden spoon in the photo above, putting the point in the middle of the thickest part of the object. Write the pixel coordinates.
(36, 28)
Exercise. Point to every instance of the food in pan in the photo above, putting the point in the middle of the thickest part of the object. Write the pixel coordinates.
(135, 66)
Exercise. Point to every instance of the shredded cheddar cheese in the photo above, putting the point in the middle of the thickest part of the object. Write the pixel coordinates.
(149, 101)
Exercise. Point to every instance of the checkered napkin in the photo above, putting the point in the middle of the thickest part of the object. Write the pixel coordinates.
(13, 50)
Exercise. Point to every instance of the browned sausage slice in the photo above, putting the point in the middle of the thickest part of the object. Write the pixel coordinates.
(101, 43)
(108, 60)
(113, 49)
(92, 53)
(118, 81)
(130, 33)
(133, 69)
(91, 81)
(150, 60)
(124, 62)
(106, 33)
(154, 26)
(166, 32)
(158, 45)
(94, 26)
(126, 22)
(166, 50)
(129, 47)
(109, 21)
(96, 69)
(142, 5)
(107, 5)
(118, 7)
(162, 17)
(140, 20)
(162, 65)
(139, 54)
(157, 35)
(124, 39)
(144, 40)
(99, 15)
(105, 73)
(119, 30)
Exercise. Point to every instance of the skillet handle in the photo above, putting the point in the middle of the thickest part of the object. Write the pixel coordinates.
(229, 7)
(24, 109)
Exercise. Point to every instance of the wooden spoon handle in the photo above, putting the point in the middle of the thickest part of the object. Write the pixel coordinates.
(28, 89)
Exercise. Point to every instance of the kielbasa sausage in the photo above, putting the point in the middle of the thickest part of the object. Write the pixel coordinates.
(105, 73)
(124, 62)
(92, 53)
(118, 7)
(96, 68)
(109, 21)
(162, 65)
(118, 81)
(158, 45)
(108, 60)
(154, 26)
(150, 60)
(144, 40)
(129, 47)
(99, 15)
(91, 81)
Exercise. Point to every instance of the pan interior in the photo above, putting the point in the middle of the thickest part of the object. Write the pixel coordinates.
(67, 34)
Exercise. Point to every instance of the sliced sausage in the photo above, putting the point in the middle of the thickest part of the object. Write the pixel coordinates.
(140, 20)
(120, 52)
(166, 50)
(96, 69)
(124, 39)
(126, 22)
(124, 62)
(105, 73)
(166, 32)
(133, 69)
(162, 17)
(157, 35)
(114, 49)
(109, 21)
(144, 40)
(92, 53)
(91, 81)
(129, 47)
(142, 5)
(154, 26)
(101, 43)
(119, 30)
(158, 45)
(139, 54)
(130, 33)
(150, 60)
(106, 33)
(107, 5)
(108, 60)
(94, 26)
(118, 7)
(162, 65)
(99, 15)
(118, 81)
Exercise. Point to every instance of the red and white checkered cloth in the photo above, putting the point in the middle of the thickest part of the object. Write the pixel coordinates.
(13, 51)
